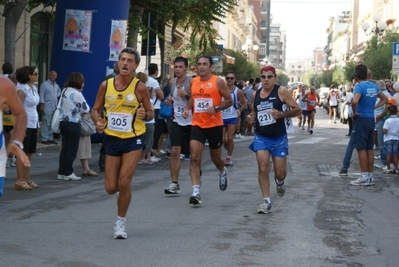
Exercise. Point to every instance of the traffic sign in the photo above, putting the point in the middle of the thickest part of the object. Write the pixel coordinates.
(395, 51)
(395, 58)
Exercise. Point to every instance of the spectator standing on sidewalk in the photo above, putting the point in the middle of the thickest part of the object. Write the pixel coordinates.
(49, 93)
(7, 69)
(271, 132)
(348, 103)
(391, 139)
(160, 123)
(28, 94)
(8, 95)
(379, 114)
(72, 105)
(395, 88)
(362, 136)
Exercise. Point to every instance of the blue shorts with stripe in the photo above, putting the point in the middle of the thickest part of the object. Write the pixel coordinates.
(278, 146)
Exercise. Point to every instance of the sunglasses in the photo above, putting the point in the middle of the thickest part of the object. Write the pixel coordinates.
(35, 74)
(267, 76)
(229, 78)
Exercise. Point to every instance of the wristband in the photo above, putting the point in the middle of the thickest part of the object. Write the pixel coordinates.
(18, 143)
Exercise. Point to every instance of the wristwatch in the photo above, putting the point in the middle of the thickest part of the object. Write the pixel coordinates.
(217, 109)
(187, 97)
(21, 146)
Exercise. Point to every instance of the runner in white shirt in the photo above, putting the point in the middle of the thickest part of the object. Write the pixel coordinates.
(333, 98)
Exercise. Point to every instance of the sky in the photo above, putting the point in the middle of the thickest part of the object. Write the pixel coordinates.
(305, 23)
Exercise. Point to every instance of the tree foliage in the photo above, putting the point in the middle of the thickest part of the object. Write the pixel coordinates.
(349, 71)
(242, 68)
(378, 55)
(13, 10)
(338, 77)
(282, 78)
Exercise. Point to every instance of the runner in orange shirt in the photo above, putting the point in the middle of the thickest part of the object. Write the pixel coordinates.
(206, 103)
(312, 98)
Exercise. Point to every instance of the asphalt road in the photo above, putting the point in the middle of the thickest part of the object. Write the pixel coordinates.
(321, 220)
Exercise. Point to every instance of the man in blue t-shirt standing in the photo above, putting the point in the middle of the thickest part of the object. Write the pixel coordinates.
(363, 104)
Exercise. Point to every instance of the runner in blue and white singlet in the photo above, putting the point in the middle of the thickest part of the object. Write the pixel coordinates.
(230, 116)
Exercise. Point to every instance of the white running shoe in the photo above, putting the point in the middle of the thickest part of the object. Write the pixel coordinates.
(119, 230)
(363, 181)
(72, 177)
(264, 207)
(153, 158)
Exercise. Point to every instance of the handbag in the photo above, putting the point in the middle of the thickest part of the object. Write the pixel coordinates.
(165, 111)
(55, 121)
(87, 126)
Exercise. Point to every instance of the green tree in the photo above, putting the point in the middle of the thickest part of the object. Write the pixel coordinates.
(282, 78)
(378, 54)
(349, 71)
(338, 76)
(13, 10)
(327, 78)
(242, 68)
(194, 16)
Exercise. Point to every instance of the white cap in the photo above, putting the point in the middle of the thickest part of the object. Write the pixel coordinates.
(395, 86)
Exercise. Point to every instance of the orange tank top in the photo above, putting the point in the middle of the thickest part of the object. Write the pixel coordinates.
(205, 94)
(311, 105)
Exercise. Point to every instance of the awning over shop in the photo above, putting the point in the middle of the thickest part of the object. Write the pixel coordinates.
(229, 59)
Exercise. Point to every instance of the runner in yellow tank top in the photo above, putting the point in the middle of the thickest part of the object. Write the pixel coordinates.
(127, 104)
(206, 103)
(120, 111)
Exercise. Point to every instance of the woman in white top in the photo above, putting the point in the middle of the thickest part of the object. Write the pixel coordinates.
(72, 105)
(28, 94)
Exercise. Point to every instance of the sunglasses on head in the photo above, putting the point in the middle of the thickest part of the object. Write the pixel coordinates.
(270, 76)
(229, 78)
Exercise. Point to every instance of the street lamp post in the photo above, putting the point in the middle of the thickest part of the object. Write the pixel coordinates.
(265, 61)
(379, 28)
(249, 47)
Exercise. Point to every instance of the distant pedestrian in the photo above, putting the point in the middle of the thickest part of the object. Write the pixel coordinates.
(49, 93)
